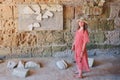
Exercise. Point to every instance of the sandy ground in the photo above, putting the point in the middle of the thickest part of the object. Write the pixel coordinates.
(106, 67)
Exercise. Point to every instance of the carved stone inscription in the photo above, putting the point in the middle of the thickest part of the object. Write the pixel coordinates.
(40, 17)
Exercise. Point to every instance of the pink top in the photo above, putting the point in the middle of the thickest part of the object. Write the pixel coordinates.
(80, 38)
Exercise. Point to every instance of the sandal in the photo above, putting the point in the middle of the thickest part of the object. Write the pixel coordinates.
(78, 76)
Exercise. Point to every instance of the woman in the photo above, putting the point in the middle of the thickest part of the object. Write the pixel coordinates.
(79, 46)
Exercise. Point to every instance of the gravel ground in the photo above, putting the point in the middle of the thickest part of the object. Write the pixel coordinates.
(106, 67)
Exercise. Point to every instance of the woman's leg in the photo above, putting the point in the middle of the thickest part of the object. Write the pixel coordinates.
(79, 67)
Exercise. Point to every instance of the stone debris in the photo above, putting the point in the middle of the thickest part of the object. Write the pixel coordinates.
(62, 64)
(21, 65)
(90, 61)
(31, 64)
(20, 72)
(11, 64)
(22, 68)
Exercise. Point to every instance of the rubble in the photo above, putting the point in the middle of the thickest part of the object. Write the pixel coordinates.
(31, 64)
(20, 72)
(11, 64)
(62, 64)
(21, 65)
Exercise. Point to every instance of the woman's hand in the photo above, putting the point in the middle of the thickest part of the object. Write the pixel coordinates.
(73, 47)
(81, 56)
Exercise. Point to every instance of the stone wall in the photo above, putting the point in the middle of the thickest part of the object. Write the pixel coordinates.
(103, 30)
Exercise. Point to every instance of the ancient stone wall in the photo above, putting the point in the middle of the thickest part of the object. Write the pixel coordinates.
(103, 27)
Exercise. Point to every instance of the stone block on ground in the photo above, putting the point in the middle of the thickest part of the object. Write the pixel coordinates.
(20, 72)
(20, 64)
(31, 64)
(11, 64)
(62, 64)
(90, 61)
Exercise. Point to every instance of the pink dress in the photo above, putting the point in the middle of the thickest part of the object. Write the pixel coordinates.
(80, 38)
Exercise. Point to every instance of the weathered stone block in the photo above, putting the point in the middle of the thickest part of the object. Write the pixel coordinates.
(18, 1)
(91, 36)
(21, 64)
(106, 25)
(11, 64)
(67, 24)
(68, 37)
(62, 64)
(6, 11)
(47, 51)
(29, 1)
(20, 72)
(69, 9)
(58, 48)
(27, 39)
(99, 37)
(49, 37)
(5, 51)
(74, 26)
(8, 24)
(58, 37)
(37, 51)
(32, 64)
(7, 2)
(41, 1)
(93, 24)
(78, 11)
(53, 1)
(90, 61)
(41, 37)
